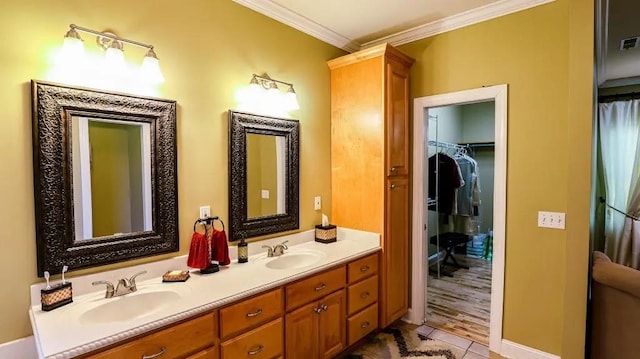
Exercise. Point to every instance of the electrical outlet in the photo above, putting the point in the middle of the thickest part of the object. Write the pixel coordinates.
(317, 203)
(265, 194)
(205, 212)
(551, 220)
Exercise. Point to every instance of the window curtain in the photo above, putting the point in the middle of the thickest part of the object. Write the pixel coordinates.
(619, 125)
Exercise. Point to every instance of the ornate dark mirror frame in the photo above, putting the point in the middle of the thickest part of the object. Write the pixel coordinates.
(239, 125)
(53, 107)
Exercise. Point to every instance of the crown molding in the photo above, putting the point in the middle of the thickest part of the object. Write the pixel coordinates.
(470, 17)
(299, 22)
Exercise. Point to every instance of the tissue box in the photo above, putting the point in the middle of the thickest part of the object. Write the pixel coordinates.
(56, 296)
(326, 234)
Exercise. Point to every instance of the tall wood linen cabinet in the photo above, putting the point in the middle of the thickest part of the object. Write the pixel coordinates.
(370, 161)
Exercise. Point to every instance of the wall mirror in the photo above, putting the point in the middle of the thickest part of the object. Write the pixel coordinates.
(263, 175)
(104, 176)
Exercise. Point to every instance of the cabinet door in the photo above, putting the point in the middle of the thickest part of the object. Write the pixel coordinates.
(395, 273)
(397, 113)
(332, 326)
(301, 328)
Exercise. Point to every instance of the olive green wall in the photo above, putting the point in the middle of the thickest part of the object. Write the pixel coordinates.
(207, 49)
(545, 55)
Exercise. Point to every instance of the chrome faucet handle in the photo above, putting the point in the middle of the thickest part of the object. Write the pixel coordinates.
(278, 249)
(110, 289)
(132, 280)
(269, 250)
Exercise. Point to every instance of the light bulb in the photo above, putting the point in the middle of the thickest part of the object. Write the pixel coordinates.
(291, 100)
(114, 58)
(72, 47)
(151, 68)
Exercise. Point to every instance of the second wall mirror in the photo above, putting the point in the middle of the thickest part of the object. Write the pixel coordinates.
(263, 175)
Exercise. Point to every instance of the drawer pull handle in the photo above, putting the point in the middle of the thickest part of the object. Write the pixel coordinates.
(324, 307)
(364, 268)
(364, 295)
(258, 349)
(162, 350)
(393, 169)
(317, 310)
(365, 325)
(321, 287)
(392, 186)
(254, 314)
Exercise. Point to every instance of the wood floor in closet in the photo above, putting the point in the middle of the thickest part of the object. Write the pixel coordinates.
(461, 304)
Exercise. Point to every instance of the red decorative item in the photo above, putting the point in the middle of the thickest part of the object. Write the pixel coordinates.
(220, 247)
(199, 251)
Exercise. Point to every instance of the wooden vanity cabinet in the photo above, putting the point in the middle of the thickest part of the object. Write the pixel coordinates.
(316, 317)
(317, 329)
(196, 337)
(370, 165)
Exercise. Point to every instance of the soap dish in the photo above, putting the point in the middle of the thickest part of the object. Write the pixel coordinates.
(56, 296)
(176, 276)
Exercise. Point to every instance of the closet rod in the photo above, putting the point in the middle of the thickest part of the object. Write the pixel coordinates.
(478, 144)
(444, 144)
(619, 96)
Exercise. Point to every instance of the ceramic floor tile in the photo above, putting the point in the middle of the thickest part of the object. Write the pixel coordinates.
(472, 355)
(450, 338)
(479, 349)
(424, 330)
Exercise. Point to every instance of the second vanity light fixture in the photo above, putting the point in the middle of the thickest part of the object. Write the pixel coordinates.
(265, 87)
(73, 47)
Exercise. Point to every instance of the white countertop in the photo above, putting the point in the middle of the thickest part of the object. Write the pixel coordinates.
(62, 333)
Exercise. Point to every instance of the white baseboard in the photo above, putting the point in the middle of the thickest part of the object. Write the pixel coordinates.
(518, 351)
(24, 348)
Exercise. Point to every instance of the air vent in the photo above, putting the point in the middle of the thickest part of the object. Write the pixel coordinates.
(630, 43)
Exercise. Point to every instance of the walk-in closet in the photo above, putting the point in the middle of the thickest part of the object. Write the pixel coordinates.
(459, 180)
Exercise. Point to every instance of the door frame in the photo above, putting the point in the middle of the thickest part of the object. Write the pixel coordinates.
(498, 94)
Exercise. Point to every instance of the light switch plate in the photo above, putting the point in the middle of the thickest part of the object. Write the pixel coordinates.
(265, 194)
(317, 203)
(205, 212)
(553, 220)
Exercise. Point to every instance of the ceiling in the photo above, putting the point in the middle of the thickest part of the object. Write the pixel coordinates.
(618, 67)
(356, 24)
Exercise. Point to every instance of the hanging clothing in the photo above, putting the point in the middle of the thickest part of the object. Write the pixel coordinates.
(468, 197)
(448, 180)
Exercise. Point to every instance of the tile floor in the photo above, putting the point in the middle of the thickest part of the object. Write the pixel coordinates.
(473, 349)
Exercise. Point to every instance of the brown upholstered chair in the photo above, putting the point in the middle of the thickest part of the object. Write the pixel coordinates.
(615, 331)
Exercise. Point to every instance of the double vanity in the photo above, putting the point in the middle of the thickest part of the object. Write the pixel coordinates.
(313, 301)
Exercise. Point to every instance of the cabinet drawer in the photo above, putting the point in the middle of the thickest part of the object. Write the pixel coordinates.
(211, 353)
(264, 342)
(250, 313)
(362, 294)
(362, 323)
(177, 341)
(363, 268)
(315, 287)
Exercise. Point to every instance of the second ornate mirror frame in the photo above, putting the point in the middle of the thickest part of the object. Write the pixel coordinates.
(240, 124)
(53, 107)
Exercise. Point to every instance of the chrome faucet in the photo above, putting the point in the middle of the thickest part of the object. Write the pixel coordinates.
(125, 286)
(269, 250)
(278, 249)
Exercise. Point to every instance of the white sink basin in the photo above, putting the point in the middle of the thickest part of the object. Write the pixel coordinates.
(145, 301)
(295, 259)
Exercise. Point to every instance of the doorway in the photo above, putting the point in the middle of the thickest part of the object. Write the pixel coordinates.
(420, 228)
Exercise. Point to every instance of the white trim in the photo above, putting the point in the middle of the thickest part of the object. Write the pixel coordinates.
(280, 175)
(297, 21)
(602, 41)
(498, 94)
(519, 351)
(23, 348)
(82, 176)
(310, 27)
(469, 17)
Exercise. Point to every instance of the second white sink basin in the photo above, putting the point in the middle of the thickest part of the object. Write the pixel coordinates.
(295, 259)
(143, 302)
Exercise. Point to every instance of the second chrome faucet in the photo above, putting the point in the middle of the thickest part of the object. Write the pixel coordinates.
(124, 286)
(276, 250)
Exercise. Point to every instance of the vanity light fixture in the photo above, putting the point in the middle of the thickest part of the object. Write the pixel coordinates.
(73, 48)
(268, 87)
